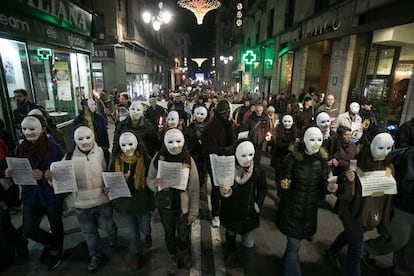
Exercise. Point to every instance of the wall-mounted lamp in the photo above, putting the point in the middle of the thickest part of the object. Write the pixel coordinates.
(163, 17)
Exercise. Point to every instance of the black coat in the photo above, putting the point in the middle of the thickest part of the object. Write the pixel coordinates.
(237, 212)
(298, 208)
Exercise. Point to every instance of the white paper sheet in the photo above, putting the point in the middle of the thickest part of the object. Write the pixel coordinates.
(222, 168)
(377, 182)
(64, 179)
(22, 171)
(171, 175)
(243, 134)
(117, 185)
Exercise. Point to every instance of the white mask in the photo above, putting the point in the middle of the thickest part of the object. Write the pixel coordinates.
(200, 114)
(173, 119)
(313, 139)
(35, 112)
(84, 138)
(245, 153)
(323, 121)
(287, 121)
(136, 110)
(354, 107)
(31, 128)
(174, 141)
(381, 146)
(128, 143)
(92, 105)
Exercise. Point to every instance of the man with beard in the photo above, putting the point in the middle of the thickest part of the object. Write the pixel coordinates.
(24, 105)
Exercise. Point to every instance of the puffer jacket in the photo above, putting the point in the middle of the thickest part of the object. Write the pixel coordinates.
(237, 212)
(88, 172)
(298, 208)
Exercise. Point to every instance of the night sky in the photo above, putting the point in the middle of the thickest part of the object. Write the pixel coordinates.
(202, 36)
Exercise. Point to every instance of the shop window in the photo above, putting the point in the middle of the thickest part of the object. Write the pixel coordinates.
(16, 67)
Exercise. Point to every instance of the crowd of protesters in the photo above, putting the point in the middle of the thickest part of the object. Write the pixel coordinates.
(317, 153)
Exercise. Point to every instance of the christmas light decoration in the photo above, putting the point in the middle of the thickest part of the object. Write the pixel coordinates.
(199, 7)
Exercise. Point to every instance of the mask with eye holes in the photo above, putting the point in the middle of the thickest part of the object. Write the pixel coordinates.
(313, 139)
(173, 119)
(84, 138)
(128, 143)
(31, 128)
(174, 141)
(381, 146)
(200, 114)
(245, 153)
(136, 111)
(323, 121)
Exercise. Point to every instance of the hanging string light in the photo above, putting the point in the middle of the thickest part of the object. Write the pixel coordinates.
(199, 7)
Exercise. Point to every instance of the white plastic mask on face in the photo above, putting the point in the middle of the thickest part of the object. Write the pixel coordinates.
(287, 121)
(84, 138)
(174, 141)
(136, 110)
(381, 146)
(354, 107)
(323, 121)
(128, 143)
(31, 128)
(92, 105)
(245, 153)
(313, 139)
(200, 114)
(173, 119)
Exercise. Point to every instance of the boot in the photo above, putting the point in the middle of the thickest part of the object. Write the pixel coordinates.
(247, 258)
(230, 253)
(172, 266)
(184, 258)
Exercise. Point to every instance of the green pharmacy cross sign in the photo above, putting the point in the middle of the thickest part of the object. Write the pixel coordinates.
(249, 57)
(44, 53)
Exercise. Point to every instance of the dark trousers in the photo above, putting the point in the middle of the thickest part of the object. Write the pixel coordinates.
(32, 216)
(174, 222)
(10, 239)
(355, 241)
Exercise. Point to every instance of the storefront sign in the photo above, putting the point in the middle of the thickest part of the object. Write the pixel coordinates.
(105, 52)
(57, 12)
(321, 27)
(29, 28)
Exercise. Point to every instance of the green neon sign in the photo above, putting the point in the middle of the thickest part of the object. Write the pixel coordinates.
(44, 53)
(249, 57)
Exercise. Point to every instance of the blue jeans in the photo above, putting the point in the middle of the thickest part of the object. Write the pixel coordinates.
(291, 257)
(247, 239)
(137, 224)
(32, 216)
(355, 241)
(90, 219)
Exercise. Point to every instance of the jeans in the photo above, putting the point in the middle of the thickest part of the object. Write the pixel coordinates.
(215, 198)
(247, 239)
(173, 222)
(137, 224)
(355, 241)
(32, 216)
(291, 257)
(399, 239)
(90, 219)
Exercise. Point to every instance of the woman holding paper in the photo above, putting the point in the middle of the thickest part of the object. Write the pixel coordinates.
(359, 212)
(241, 204)
(40, 200)
(130, 157)
(178, 203)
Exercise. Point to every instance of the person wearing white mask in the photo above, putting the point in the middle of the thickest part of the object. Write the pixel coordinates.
(173, 119)
(131, 158)
(323, 121)
(144, 130)
(39, 200)
(304, 183)
(178, 206)
(93, 208)
(362, 212)
(286, 134)
(353, 120)
(197, 127)
(241, 204)
(95, 121)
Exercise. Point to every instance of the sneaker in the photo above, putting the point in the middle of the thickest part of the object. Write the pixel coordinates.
(137, 261)
(369, 262)
(55, 260)
(94, 264)
(333, 260)
(44, 256)
(215, 222)
(172, 266)
(148, 241)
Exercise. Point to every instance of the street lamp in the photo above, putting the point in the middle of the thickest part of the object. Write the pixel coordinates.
(226, 59)
(163, 17)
